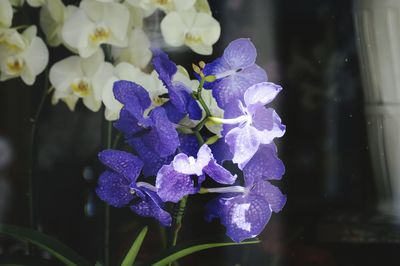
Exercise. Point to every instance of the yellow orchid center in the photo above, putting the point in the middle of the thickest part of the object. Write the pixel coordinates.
(11, 47)
(82, 88)
(158, 101)
(192, 38)
(100, 34)
(15, 65)
(162, 2)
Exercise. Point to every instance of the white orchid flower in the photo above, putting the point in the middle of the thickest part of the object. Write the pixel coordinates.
(22, 55)
(137, 53)
(212, 105)
(126, 71)
(197, 30)
(52, 17)
(95, 23)
(75, 77)
(6, 14)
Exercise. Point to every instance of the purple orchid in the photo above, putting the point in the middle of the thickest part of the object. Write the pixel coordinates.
(235, 71)
(174, 180)
(181, 101)
(118, 186)
(264, 165)
(154, 137)
(246, 212)
(249, 124)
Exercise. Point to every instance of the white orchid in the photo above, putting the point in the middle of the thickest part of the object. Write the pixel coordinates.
(75, 77)
(137, 53)
(197, 30)
(52, 17)
(126, 71)
(6, 14)
(22, 55)
(95, 23)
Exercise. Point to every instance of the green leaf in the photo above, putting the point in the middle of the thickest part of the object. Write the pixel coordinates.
(184, 250)
(133, 251)
(45, 242)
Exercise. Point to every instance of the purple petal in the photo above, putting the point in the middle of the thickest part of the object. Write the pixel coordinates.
(114, 189)
(243, 143)
(221, 151)
(152, 206)
(233, 87)
(178, 97)
(122, 162)
(131, 95)
(152, 162)
(243, 216)
(271, 194)
(268, 124)
(262, 93)
(127, 123)
(172, 112)
(219, 173)
(265, 164)
(162, 138)
(173, 186)
(240, 53)
(188, 144)
(164, 66)
(193, 108)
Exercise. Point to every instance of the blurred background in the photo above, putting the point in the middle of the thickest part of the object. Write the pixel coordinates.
(339, 150)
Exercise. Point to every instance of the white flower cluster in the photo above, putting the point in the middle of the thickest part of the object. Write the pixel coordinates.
(21, 54)
(84, 30)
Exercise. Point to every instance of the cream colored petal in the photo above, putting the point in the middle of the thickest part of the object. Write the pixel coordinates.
(37, 56)
(183, 4)
(203, 6)
(91, 64)
(29, 33)
(202, 49)
(92, 103)
(6, 13)
(76, 30)
(28, 76)
(116, 16)
(113, 107)
(207, 27)
(104, 73)
(52, 20)
(64, 72)
(36, 3)
(173, 29)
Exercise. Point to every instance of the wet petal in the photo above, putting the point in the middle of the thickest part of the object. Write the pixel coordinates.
(173, 186)
(271, 194)
(152, 206)
(122, 162)
(262, 93)
(114, 189)
(265, 164)
(240, 53)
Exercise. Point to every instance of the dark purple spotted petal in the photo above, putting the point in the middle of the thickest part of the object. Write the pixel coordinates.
(162, 138)
(152, 162)
(265, 165)
(271, 194)
(188, 144)
(221, 151)
(173, 186)
(122, 162)
(114, 189)
(219, 173)
(133, 96)
(127, 123)
(150, 205)
(243, 143)
(172, 112)
(244, 216)
(164, 67)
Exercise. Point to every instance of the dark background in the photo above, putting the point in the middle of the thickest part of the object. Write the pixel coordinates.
(306, 46)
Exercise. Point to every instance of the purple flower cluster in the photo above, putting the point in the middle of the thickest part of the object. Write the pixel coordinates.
(181, 164)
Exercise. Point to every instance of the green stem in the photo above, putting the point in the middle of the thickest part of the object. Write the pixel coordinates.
(32, 150)
(178, 220)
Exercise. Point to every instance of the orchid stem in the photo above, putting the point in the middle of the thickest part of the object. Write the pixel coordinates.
(32, 150)
(178, 220)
